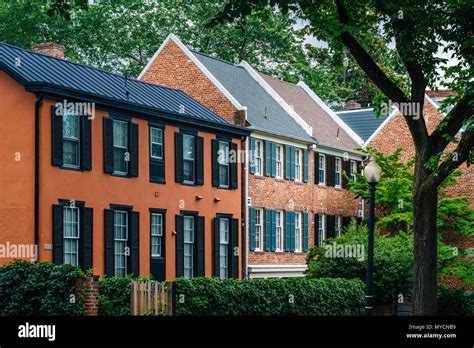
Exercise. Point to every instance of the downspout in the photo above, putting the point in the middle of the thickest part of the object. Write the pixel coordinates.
(246, 170)
(38, 103)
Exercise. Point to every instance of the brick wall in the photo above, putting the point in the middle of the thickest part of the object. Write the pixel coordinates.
(87, 288)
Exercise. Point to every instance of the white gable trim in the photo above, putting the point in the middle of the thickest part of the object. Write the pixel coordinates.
(279, 140)
(392, 115)
(331, 113)
(256, 76)
(196, 61)
(432, 102)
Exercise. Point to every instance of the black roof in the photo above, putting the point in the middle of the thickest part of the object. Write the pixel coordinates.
(35, 69)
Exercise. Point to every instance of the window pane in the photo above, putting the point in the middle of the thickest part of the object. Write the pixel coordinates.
(188, 147)
(120, 133)
(224, 231)
(120, 165)
(156, 135)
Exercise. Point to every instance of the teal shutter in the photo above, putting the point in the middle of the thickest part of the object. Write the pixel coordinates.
(287, 162)
(252, 156)
(293, 163)
(274, 154)
(292, 231)
(287, 231)
(305, 165)
(252, 229)
(268, 230)
(305, 231)
(273, 230)
(268, 158)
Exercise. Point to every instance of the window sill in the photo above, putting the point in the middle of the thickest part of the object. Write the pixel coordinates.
(158, 181)
(322, 185)
(75, 169)
(259, 177)
(280, 180)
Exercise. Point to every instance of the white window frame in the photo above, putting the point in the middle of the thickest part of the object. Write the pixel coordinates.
(279, 162)
(192, 160)
(76, 139)
(338, 225)
(70, 224)
(337, 173)
(188, 251)
(353, 170)
(258, 229)
(322, 168)
(225, 164)
(224, 247)
(298, 165)
(156, 234)
(156, 142)
(321, 229)
(258, 157)
(114, 145)
(280, 231)
(298, 231)
(120, 243)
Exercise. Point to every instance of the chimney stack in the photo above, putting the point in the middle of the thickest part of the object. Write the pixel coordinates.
(50, 48)
(351, 104)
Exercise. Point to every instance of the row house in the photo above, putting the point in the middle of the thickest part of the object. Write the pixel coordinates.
(294, 195)
(115, 174)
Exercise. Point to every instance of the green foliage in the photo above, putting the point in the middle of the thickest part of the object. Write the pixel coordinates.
(455, 302)
(114, 295)
(39, 289)
(267, 297)
(393, 261)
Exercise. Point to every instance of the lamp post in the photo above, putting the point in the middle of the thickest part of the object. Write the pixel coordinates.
(372, 174)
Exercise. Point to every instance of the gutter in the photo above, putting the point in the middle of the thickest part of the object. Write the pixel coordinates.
(38, 103)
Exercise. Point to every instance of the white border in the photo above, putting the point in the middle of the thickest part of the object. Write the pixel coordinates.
(196, 61)
(331, 113)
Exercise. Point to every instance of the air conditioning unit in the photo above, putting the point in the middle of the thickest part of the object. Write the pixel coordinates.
(360, 213)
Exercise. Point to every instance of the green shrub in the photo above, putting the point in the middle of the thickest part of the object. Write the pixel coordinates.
(455, 302)
(39, 289)
(114, 295)
(268, 297)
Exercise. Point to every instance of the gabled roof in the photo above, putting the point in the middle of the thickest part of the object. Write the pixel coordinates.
(34, 69)
(362, 121)
(326, 126)
(264, 113)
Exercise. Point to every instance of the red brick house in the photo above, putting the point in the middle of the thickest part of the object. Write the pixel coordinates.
(284, 199)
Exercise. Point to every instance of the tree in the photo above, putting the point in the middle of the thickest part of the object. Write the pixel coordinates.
(419, 29)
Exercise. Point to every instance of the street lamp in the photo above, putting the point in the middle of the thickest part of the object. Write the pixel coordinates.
(372, 174)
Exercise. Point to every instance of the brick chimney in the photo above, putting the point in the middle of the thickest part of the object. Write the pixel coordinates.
(351, 104)
(50, 48)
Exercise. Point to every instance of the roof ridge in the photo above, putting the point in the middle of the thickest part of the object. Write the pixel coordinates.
(280, 80)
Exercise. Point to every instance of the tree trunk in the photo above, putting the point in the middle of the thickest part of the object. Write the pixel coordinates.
(425, 201)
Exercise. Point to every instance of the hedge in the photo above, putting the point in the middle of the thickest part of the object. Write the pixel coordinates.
(39, 289)
(268, 297)
(114, 295)
(458, 302)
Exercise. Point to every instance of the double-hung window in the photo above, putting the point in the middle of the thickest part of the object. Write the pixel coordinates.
(121, 152)
(188, 246)
(189, 157)
(321, 229)
(298, 165)
(156, 234)
(279, 161)
(156, 143)
(71, 141)
(298, 231)
(279, 230)
(337, 179)
(223, 248)
(71, 228)
(259, 157)
(223, 162)
(258, 229)
(353, 170)
(337, 225)
(322, 169)
(120, 242)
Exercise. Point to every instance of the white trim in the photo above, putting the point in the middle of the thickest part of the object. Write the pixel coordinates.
(432, 102)
(353, 110)
(276, 271)
(393, 113)
(259, 79)
(338, 154)
(278, 140)
(331, 113)
(196, 61)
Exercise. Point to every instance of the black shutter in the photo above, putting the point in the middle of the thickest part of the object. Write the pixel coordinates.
(58, 235)
(330, 227)
(330, 169)
(179, 246)
(109, 242)
(305, 166)
(200, 240)
(346, 165)
(216, 242)
(134, 150)
(56, 138)
(87, 239)
(316, 168)
(215, 164)
(135, 243)
(316, 228)
(178, 154)
(199, 161)
(86, 143)
(346, 221)
(108, 145)
(234, 178)
(234, 250)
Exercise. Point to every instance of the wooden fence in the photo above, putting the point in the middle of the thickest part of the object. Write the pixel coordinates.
(151, 298)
